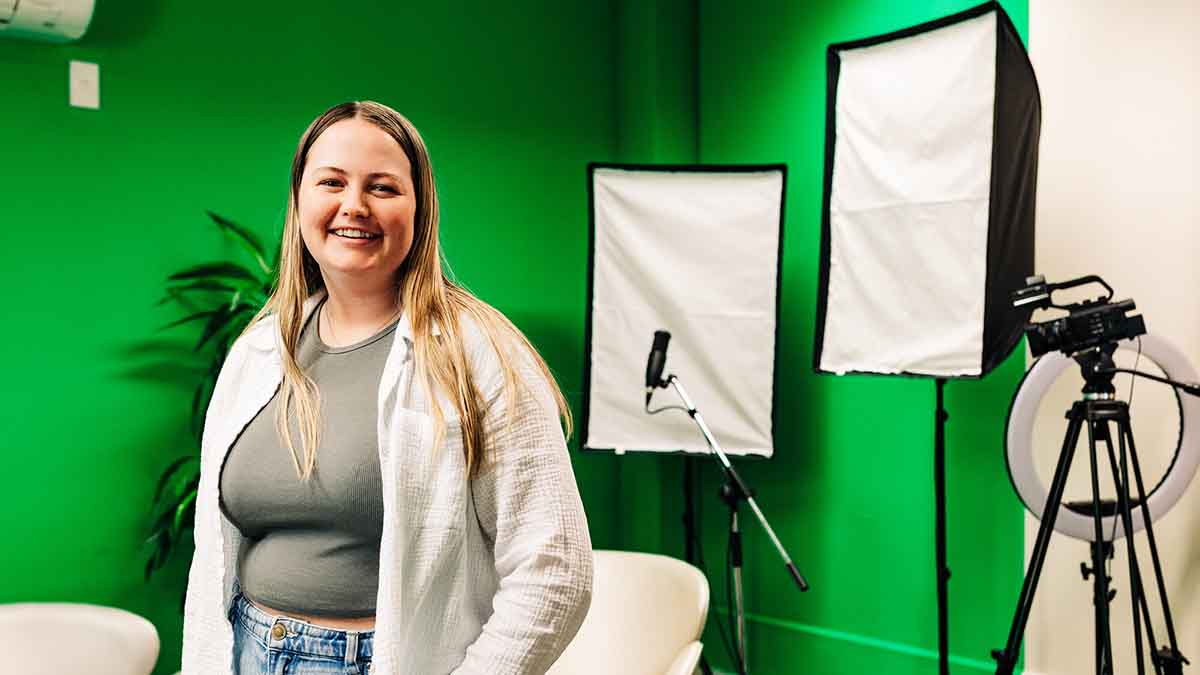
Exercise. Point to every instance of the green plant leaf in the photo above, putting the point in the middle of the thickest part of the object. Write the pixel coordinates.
(199, 406)
(216, 271)
(169, 473)
(215, 323)
(181, 512)
(191, 317)
(210, 285)
(169, 295)
(243, 236)
(153, 536)
(149, 567)
(240, 292)
(199, 398)
(162, 552)
(162, 523)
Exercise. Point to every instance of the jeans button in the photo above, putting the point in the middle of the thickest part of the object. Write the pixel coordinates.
(278, 631)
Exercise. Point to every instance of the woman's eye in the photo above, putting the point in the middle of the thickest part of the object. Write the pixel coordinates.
(388, 188)
(328, 181)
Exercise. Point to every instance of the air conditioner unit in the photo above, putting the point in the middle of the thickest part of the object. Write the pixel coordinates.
(46, 20)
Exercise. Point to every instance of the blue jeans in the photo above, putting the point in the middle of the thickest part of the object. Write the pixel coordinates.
(277, 645)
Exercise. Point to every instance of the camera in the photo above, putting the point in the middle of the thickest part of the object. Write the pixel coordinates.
(1088, 324)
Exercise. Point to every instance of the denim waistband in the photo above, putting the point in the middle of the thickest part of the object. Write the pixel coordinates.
(301, 636)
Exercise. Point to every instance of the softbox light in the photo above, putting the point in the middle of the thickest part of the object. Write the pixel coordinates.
(930, 173)
(931, 138)
(695, 251)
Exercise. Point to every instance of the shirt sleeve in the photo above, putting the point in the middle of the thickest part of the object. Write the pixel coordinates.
(528, 504)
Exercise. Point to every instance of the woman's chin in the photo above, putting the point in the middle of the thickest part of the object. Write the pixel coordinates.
(365, 270)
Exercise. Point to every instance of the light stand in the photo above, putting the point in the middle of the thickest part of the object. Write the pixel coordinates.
(943, 566)
(733, 492)
(1095, 409)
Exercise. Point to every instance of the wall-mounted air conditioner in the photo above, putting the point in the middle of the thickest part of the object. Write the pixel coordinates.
(46, 20)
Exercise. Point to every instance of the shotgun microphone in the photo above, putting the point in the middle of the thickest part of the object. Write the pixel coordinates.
(654, 365)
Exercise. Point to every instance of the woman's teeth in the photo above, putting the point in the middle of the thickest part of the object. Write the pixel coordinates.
(355, 234)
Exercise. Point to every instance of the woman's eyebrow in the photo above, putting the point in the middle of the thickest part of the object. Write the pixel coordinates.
(370, 175)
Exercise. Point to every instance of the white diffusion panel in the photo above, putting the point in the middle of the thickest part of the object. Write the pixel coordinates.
(696, 253)
(908, 248)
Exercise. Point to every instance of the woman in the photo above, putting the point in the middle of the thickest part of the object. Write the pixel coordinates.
(384, 483)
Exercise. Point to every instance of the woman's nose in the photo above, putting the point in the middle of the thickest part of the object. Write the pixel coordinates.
(353, 205)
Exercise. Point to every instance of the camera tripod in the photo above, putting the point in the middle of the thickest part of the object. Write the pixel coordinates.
(1096, 409)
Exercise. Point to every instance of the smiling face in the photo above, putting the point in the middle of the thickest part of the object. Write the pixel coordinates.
(357, 203)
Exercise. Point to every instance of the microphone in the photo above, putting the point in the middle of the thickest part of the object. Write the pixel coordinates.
(654, 365)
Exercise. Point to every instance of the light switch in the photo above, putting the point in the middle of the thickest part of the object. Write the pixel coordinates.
(85, 84)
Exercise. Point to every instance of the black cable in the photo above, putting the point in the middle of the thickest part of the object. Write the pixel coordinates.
(1193, 389)
(1132, 379)
(670, 407)
(1112, 536)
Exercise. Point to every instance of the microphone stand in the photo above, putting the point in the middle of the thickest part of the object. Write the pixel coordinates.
(732, 493)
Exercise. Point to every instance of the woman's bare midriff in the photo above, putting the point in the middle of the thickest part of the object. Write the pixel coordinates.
(358, 624)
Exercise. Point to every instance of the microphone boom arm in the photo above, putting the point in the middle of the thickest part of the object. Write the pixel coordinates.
(735, 479)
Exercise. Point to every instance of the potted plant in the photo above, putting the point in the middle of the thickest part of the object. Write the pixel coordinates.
(222, 297)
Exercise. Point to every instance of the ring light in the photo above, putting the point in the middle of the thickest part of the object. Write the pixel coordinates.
(1018, 452)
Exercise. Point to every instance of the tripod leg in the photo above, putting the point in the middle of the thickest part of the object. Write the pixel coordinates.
(1126, 431)
(1135, 579)
(735, 552)
(1100, 582)
(1140, 589)
(1006, 661)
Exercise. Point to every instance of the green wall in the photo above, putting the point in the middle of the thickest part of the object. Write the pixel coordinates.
(202, 107)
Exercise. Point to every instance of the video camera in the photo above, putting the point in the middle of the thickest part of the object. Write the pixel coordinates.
(1088, 324)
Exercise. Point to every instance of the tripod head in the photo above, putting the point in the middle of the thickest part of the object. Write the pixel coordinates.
(1098, 370)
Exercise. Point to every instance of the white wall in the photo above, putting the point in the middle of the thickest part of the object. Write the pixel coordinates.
(1117, 196)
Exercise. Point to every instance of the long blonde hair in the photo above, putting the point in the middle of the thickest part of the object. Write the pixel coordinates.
(426, 294)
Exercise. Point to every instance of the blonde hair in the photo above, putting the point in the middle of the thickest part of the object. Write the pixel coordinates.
(426, 294)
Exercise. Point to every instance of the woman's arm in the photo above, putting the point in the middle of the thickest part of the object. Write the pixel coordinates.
(528, 504)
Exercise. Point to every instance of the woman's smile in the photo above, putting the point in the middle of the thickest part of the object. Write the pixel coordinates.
(356, 237)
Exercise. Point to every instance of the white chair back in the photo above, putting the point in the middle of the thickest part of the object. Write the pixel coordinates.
(646, 618)
(53, 638)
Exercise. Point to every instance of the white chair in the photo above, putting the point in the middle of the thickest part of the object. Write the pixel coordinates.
(646, 618)
(55, 638)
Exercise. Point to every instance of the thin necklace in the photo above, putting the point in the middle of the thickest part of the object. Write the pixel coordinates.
(329, 323)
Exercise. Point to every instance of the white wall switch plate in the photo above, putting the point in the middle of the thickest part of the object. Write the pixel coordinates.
(85, 84)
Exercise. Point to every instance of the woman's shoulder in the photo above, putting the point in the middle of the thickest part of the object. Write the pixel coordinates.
(263, 333)
(485, 331)
(259, 336)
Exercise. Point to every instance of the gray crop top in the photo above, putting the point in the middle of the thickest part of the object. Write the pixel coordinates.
(313, 548)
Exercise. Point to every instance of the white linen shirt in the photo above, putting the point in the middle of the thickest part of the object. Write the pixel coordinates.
(491, 575)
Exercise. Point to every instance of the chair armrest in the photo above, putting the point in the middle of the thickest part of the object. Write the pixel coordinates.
(686, 661)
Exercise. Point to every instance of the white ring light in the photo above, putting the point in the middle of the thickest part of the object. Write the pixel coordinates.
(1018, 451)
